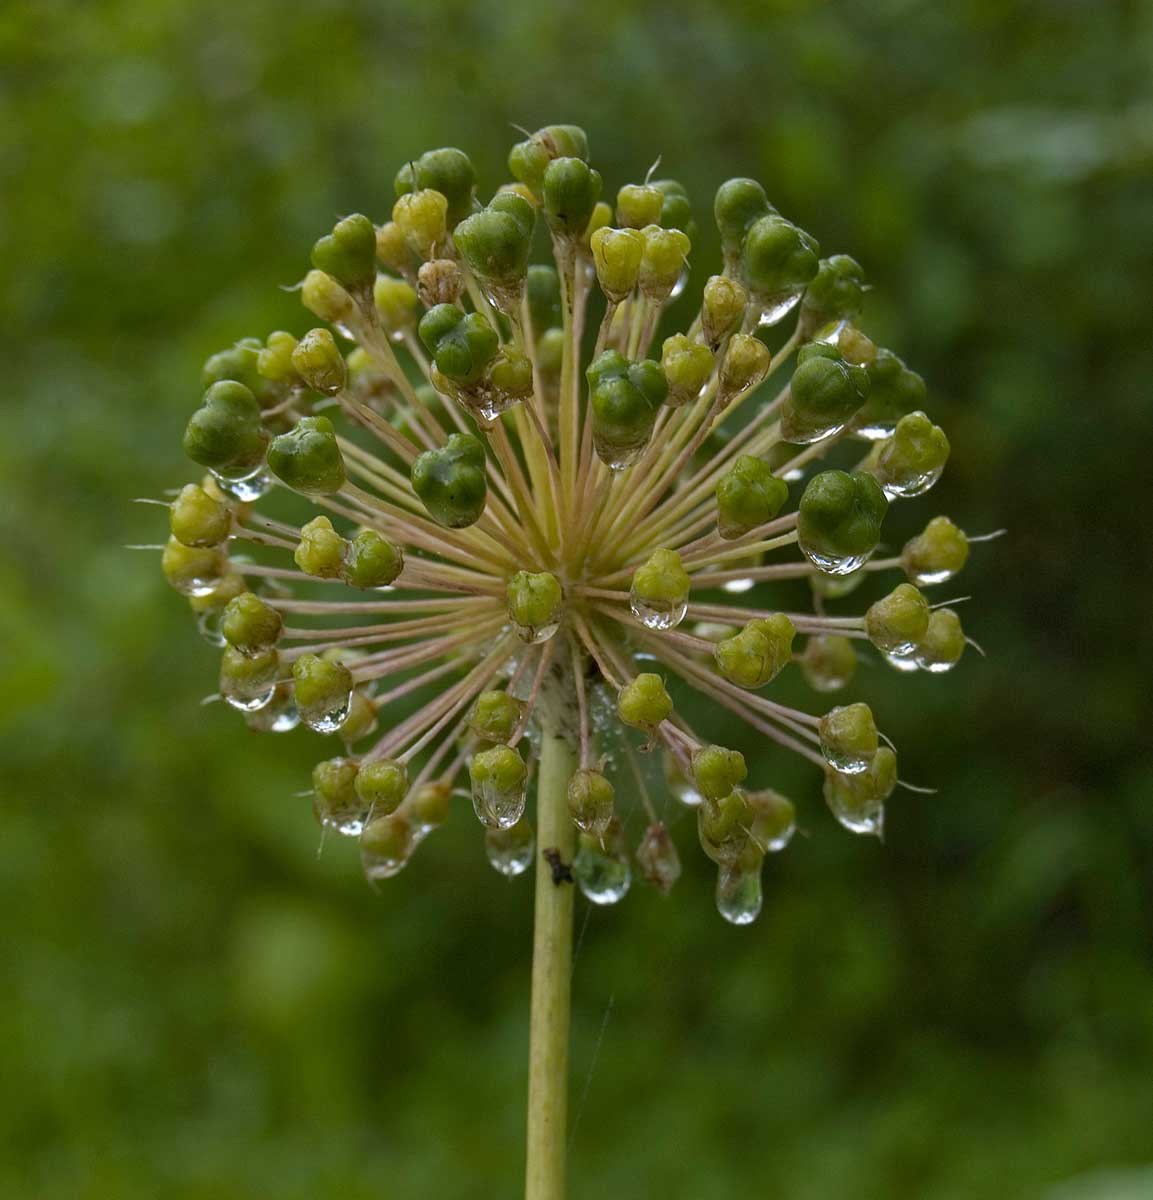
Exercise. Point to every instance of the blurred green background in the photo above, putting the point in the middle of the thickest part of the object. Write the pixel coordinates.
(196, 1006)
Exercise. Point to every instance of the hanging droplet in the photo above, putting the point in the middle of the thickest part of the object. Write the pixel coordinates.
(901, 662)
(798, 432)
(657, 859)
(208, 626)
(386, 845)
(857, 810)
(279, 715)
(601, 868)
(499, 786)
(777, 307)
(510, 850)
(833, 564)
(739, 893)
(680, 285)
(331, 719)
(615, 457)
(246, 488)
(912, 485)
(249, 701)
(658, 617)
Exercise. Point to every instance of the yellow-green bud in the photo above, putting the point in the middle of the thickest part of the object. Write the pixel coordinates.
(429, 805)
(617, 255)
(659, 595)
(590, 801)
(495, 716)
(644, 702)
(758, 653)
(898, 621)
(321, 549)
(535, 605)
(326, 299)
(319, 363)
(687, 366)
(498, 775)
(334, 797)
(392, 248)
(912, 460)
(858, 801)
(829, 662)
(510, 375)
(381, 785)
(745, 364)
(248, 681)
(639, 205)
(943, 643)
(250, 625)
(348, 253)
(662, 262)
(723, 827)
(717, 770)
(602, 218)
(723, 308)
(371, 561)
(361, 719)
(936, 554)
(848, 738)
(274, 362)
(386, 846)
(196, 519)
(748, 495)
(397, 304)
(192, 570)
(323, 691)
(423, 219)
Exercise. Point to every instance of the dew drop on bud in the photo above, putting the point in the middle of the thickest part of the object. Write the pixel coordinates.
(332, 719)
(739, 894)
(510, 850)
(386, 846)
(901, 662)
(665, 616)
(833, 564)
(496, 807)
(208, 626)
(602, 869)
(245, 488)
(249, 702)
(778, 307)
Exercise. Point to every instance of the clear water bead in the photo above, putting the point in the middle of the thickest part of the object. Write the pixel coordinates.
(777, 307)
(498, 808)
(332, 720)
(246, 488)
(902, 662)
(603, 878)
(739, 894)
(615, 457)
(510, 850)
(208, 626)
(912, 485)
(247, 702)
(834, 564)
(533, 635)
(866, 818)
(651, 616)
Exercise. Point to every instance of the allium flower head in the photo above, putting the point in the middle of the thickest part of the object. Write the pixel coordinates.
(487, 495)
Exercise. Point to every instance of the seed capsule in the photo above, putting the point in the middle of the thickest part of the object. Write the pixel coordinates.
(722, 309)
(912, 460)
(397, 305)
(745, 364)
(381, 785)
(936, 554)
(361, 719)
(448, 171)
(943, 643)
(858, 800)
(590, 801)
(371, 561)
(738, 203)
(386, 846)
(193, 570)
(495, 716)
(422, 217)
(249, 625)
(757, 654)
(778, 261)
(617, 257)
(496, 241)
(723, 827)
(319, 363)
(348, 253)
(326, 299)
(836, 293)
(774, 820)
(451, 482)
(225, 433)
(335, 800)
(897, 622)
(624, 399)
(248, 681)
(197, 519)
(894, 390)
(662, 262)
(535, 605)
(849, 738)
(644, 702)
(571, 189)
(323, 690)
(717, 771)
(639, 205)
(320, 551)
(307, 458)
(659, 596)
(687, 366)
(461, 344)
(839, 521)
(748, 495)
(824, 394)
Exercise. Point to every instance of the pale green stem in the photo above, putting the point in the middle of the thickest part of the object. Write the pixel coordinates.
(551, 978)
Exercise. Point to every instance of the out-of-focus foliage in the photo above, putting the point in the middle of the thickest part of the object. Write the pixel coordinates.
(196, 1006)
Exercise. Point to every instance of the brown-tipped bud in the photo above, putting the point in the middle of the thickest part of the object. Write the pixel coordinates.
(439, 281)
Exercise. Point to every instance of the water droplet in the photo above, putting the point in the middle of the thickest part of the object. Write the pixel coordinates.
(347, 817)
(739, 894)
(777, 307)
(245, 488)
(279, 715)
(848, 762)
(532, 635)
(681, 283)
(498, 808)
(834, 564)
(901, 662)
(933, 666)
(331, 720)
(875, 431)
(208, 626)
(601, 868)
(658, 860)
(797, 434)
(510, 850)
(247, 702)
(386, 846)
(911, 485)
(617, 458)
(925, 578)
(681, 785)
(658, 616)
(858, 814)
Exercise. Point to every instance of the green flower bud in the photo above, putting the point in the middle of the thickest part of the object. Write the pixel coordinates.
(348, 253)
(639, 205)
(774, 819)
(617, 256)
(723, 826)
(893, 391)
(196, 519)
(738, 203)
(543, 298)
(644, 702)
(429, 806)
(448, 171)
(495, 716)
(936, 554)
(461, 344)
(387, 845)
(758, 653)
(510, 376)
(717, 771)
(371, 561)
(239, 363)
(824, 394)
(663, 260)
(601, 865)
(858, 801)
(307, 458)
(321, 549)
(571, 189)
(659, 596)
(657, 858)
(192, 570)
(535, 605)
(723, 308)
(687, 366)
(334, 797)
(676, 212)
(361, 719)
(423, 219)
(450, 482)
(381, 785)
(249, 625)
(745, 364)
(590, 801)
(326, 299)
(528, 160)
(748, 495)
(496, 241)
(225, 433)
(274, 362)
(323, 691)
(319, 362)
(848, 738)
(392, 248)
(836, 293)
(397, 304)
(829, 662)
(911, 461)
(624, 398)
(898, 621)
(499, 777)
(943, 642)
(248, 681)
(839, 521)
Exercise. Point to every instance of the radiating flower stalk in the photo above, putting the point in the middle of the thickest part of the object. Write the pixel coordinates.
(529, 519)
